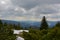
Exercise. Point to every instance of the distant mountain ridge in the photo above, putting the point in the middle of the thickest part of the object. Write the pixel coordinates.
(29, 23)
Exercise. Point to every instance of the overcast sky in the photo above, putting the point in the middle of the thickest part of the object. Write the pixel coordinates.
(30, 10)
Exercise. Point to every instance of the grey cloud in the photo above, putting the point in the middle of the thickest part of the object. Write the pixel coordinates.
(28, 4)
(48, 11)
(33, 8)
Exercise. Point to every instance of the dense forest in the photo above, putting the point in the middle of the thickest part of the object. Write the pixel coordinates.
(43, 33)
(6, 30)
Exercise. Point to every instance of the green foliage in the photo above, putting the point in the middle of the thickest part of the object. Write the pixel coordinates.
(58, 24)
(31, 35)
(6, 32)
(44, 24)
(1, 25)
(44, 33)
(17, 27)
(51, 34)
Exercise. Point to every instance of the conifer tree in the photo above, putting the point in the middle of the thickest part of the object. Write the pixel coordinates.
(44, 24)
(1, 24)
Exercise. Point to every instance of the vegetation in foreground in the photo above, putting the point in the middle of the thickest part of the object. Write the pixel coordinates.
(43, 33)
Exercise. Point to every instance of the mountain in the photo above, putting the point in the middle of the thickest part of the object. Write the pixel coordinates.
(29, 23)
(36, 24)
(10, 22)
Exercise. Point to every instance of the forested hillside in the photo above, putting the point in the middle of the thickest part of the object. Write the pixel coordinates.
(43, 33)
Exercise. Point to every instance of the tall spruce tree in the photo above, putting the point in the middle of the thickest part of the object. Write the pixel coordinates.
(44, 24)
(1, 24)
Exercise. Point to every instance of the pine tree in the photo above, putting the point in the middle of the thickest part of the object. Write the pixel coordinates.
(1, 24)
(44, 24)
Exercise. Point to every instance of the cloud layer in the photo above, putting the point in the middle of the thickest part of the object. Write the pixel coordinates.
(30, 10)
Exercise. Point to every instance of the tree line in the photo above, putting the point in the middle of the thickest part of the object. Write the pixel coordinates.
(6, 30)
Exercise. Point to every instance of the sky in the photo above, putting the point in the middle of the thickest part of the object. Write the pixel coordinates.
(30, 10)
